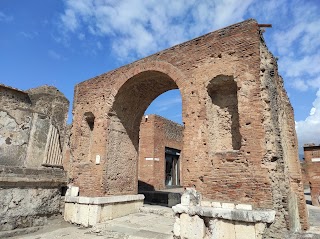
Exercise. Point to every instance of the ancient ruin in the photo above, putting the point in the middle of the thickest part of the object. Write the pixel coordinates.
(32, 129)
(312, 163)
(239, 143)
(236, 152)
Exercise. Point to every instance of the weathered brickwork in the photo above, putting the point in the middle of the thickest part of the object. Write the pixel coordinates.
(312, 161)
(156, 133)
(239, 141)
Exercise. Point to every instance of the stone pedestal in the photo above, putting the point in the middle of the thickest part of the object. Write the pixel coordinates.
(197, 218)
(88, 211)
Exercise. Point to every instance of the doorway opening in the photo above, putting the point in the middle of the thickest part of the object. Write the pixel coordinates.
(172, 157)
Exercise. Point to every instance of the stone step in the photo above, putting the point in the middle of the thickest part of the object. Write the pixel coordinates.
(156, 209)
(164, 198)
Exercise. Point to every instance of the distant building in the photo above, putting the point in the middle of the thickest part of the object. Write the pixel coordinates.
(160, 156)
(312, 161)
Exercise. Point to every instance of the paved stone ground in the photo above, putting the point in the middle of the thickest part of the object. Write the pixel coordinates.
(152, 222)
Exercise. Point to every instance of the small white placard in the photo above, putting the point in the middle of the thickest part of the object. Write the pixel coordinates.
(315, 159)
(155, 159)
(97, 159)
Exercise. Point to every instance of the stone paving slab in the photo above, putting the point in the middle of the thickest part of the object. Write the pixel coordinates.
(134, 226)
(139, 225)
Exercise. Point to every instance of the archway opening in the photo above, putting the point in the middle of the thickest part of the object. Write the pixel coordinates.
(125, 117)
(160, 144)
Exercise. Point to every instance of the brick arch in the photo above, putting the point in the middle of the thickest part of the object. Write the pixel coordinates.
(133, 93)
(159, 66)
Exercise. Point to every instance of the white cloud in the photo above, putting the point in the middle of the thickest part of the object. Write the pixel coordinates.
(5, 18)
(29, 35)
(308, 64)
(167, 104)
(305, 84)
(99, 45)
(313, 111)
(70, 20)
(299, 85)
(269, 11)
(298, 44)
(81, 36)
(139, 28)
(308, 130)
(54, 55)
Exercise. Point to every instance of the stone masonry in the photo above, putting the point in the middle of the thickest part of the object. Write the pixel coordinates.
(312, 161)
(32, 122)
(32, 129)
(156, 133)
(239, 142)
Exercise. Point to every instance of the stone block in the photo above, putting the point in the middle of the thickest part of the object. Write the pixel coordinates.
(245, 230)
(94, 214)
(74, 191)
(192, 227)
(216, 204)
(294, 220)
(228, 205)
(267, 215)
(29, 206)
(176, 227)
(259, 229)
(91, 214)
(222, 229)
(244, 206)
(190, 197)
(122, 209)
(205, 203)
(106, 213)
(185, 199)
(68, 211)
(83, 215)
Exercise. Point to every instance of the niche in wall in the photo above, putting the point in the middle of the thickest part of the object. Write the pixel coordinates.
(223, 116)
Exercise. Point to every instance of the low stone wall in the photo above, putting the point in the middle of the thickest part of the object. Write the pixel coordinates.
(28, 197)
(88, 211)
(196, 219)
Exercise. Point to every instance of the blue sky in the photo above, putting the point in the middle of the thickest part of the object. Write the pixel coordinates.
(64, 42)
